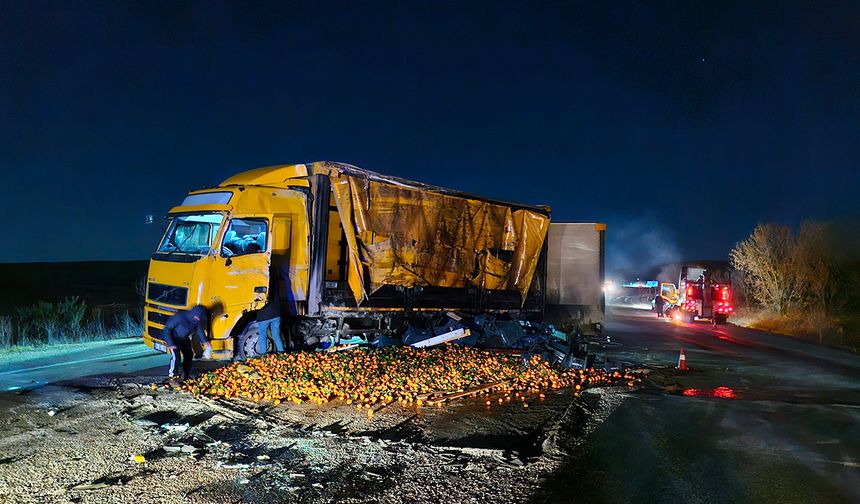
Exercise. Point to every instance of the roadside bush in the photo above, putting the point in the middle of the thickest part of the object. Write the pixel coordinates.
(786, 271)
(798, 283)
(47, 323)
(127, 325)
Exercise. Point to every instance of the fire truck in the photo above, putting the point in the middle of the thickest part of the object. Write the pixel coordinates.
(702, 293)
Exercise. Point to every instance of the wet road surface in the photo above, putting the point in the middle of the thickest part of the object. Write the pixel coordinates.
(758, 418)
(119, 357)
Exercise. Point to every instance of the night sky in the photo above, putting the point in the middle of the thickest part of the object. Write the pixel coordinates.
(681, 125)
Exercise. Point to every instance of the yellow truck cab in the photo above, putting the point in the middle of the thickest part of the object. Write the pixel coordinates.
(219, 246)
(407, 248)
(669, 293)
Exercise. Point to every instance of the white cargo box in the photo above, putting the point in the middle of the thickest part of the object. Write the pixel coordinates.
(576, 272)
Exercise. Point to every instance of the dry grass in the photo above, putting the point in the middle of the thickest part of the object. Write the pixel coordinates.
(48, 324)
(814, 326)
(6, 329)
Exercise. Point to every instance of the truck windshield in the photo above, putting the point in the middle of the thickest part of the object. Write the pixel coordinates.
(191, 234)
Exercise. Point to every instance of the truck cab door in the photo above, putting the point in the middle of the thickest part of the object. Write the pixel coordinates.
(244, 261)
(669, 292)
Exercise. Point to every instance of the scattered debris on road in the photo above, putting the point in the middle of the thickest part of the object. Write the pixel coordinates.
(175, 427)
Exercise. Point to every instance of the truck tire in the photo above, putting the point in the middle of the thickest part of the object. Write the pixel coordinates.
(246, 342)
(689, 318)
(719, 319)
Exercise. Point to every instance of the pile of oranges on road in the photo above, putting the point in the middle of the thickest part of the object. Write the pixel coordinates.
(373, 377)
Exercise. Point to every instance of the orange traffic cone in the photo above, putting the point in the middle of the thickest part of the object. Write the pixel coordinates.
(682, 361)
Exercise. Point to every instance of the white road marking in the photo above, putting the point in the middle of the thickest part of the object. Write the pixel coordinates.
(79, 361)
(846, 463)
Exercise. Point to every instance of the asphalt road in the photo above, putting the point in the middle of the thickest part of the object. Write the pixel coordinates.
(758, 418)
(127, 357)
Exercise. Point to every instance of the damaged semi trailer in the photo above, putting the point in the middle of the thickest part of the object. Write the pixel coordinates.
(355, 252)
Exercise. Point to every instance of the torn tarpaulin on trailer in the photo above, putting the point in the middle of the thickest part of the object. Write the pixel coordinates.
(405, 233)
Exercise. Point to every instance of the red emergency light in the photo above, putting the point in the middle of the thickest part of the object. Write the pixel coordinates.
(723, 307)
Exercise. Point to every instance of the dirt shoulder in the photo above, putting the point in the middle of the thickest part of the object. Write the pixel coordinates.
(841, 332)
(77, 443)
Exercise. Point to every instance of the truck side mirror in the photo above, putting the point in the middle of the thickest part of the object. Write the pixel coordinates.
(228, 262)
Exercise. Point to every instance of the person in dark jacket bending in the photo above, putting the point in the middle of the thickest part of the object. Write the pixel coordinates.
(177, 336)
(269, 316)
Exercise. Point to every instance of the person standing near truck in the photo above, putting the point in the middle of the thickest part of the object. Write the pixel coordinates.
(658, 305)
(177, 337)
(269, 316)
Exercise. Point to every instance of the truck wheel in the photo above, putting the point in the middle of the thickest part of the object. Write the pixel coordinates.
(719, 319)
(246, 342)
(689, 318)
